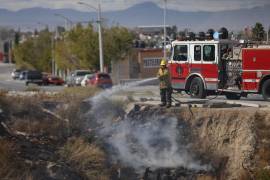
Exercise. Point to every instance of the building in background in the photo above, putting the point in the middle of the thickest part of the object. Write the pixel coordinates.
(140, 64)
(151, 30)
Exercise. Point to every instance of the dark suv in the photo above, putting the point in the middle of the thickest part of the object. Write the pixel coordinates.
(34, 77)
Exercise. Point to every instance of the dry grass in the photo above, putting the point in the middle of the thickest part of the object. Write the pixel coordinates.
(11, 167)
(48, 127)
(262, 174)
(263, 141)
(77, 93)
(25, 114)
(86, 158)
(73, 98)
(3, 93)
(33, 88)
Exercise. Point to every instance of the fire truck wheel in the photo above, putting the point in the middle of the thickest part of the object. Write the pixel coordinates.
(266, 90)
(196, 88)
(233, 96)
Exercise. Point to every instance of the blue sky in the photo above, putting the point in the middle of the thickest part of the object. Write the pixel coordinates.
(182, 5)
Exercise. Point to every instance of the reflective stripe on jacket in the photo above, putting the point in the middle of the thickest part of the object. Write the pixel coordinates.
(164, 78)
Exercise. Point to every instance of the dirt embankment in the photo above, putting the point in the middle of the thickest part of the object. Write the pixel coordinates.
(58, 137)
(235, 141)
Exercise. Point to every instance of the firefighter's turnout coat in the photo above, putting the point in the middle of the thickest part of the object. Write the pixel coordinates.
(164, 78)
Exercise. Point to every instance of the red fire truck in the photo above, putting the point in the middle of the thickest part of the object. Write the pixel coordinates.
(222, 67)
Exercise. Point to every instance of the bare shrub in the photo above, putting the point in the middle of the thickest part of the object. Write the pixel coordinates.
(74, 105)
(86, 158)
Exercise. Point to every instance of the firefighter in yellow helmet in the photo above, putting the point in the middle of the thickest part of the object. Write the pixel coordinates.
(165, 84)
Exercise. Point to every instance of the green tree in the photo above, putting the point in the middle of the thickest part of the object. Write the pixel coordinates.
(76, 49)
(258, 32)
(17, 38)
(35, 52)
(80, 48)
(118, 42)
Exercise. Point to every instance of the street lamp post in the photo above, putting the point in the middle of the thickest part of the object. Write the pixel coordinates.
(99, 21)
(53, 52)
(165, 30)
(68, 22)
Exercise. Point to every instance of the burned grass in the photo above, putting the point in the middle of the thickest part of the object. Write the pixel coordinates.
(12, 167)
(36, 144)
(48, 137)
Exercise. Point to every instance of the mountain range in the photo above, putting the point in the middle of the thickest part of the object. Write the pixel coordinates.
(140, 15)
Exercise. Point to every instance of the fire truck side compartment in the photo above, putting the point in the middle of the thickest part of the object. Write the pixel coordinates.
(256, 68)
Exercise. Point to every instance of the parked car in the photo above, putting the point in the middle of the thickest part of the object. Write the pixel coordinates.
(22, 75)
(45, 78)
(101, 80)
(75, 78)
(16, 73)
(86, 79)
(55, 80)
(34, 77)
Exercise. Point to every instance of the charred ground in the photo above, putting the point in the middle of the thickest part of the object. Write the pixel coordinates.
(62, 136)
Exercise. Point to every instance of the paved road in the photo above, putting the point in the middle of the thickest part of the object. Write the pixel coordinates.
(153, 92)
(7, 83)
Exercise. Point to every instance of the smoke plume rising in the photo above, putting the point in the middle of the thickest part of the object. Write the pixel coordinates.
(141, 140)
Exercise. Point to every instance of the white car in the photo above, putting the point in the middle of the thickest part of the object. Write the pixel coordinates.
(85, 79)
(75, 78)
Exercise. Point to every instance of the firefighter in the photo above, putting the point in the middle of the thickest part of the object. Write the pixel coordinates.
(164, 84)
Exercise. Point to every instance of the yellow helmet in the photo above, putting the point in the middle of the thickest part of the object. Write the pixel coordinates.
(163, 62)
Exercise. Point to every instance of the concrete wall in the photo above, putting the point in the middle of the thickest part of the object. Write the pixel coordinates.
(126, 69)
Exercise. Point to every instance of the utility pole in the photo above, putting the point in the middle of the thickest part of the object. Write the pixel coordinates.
(53, 53)
(68, 22)
(267, 39)
(100, 39)
(10, 51)
(165, 29)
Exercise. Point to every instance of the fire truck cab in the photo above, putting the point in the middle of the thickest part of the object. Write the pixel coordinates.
(221, 67)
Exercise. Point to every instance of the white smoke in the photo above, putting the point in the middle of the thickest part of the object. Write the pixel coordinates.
(141, 141)
(154, 142)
